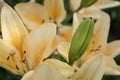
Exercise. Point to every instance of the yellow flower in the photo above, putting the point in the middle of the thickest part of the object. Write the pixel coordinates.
(34, 14)
(98, 43)
(52, 69)
(100, 4)
(20, 51)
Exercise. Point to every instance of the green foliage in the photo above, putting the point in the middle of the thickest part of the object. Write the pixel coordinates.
(81, 39)
(39, 1)
(86, 3)
(12, 3)
(59, 57)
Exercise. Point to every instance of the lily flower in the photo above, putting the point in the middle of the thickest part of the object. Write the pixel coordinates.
(92, 69)
(20, 51)
(98, 43)
(99, 4)
(34, 14)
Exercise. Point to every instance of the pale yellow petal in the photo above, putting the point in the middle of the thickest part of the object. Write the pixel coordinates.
(10, 58)
(1, 5)
(102, 4)
(113, 48)
(92, 69)
(55, 9)
(32, 14)
(111, 67)
(65, 69)
(66, 33)
(46, 72)
(98, 42)
(77, 19)
(37, 42)
(63, 49)
(13, 29)
(74, 4)
(28, 75)
(55, 42)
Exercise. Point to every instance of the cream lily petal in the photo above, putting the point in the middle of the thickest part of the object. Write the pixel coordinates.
(55, 9)
(101, 4)
(55, 42)
(46, 72)
(111, 67)
(37, 42)
(92, 69)
(1, 5)
(77, 19)
(10, 58)
(28, 75)
(13, 29)
(98, 42)
(74, 4)
(113, 48)
(32, 14)
(62, 67)
(63, 49)
(66, 33)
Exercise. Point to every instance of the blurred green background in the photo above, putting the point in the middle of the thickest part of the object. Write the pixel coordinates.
(114, 34)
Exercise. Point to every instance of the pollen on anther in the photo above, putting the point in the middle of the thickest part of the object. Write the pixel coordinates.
(24, 51)
(43, 21)
(16, 67)
(50, 18)
(8, 58)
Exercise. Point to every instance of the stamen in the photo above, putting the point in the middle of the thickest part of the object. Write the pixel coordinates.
(50, 18)
(84, 18)
(17, 67)
(99, 46)
(8, 58)
(43, 21)
(23, 60)
(12, 53)
(55, 22)
(93, 42)
(24, 51)
(90, 17)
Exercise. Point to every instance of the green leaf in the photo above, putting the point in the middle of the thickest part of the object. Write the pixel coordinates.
(86, 3)
(39, 1)
(81, 39)
(12, 3)
(58, 57)
(23, 1)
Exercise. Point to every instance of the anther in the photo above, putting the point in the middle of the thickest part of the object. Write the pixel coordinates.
(50, 18)
(99, 46)
(43, 21)
(23, 60)
(8, 58)
(16, 67)
(84, 18)
(12, 53)
(90, 17)
(93, 42)
(24, 51)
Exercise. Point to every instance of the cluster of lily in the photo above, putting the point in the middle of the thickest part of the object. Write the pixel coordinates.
(32, 33)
